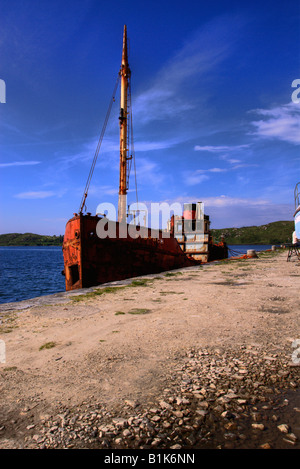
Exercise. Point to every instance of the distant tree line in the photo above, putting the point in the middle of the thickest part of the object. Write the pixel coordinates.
(30, 239)
(279, 232)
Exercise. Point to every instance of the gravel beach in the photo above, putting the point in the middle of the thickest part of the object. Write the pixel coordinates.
(201, 358)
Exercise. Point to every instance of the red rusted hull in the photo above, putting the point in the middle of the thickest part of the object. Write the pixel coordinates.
(91, 261)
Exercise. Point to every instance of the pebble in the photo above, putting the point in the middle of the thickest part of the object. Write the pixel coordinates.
(291, 442)
(283, 428)
(258, 426)
(292, 436)
(266, 446)
(119, 422)
(131, 403)
(204, 404)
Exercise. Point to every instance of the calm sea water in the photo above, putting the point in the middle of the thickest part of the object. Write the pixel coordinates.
(30, 271)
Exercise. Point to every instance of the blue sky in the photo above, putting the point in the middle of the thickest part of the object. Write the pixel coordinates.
(213, 117)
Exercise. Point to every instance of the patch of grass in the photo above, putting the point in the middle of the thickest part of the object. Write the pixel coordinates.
(7, 323)
(139, 311)
(47, 345)
(171, 292)
(115, 332)
(118, 313)
(267, 254)
(10, 368)
(277, 298)
(6, 330)
(173, 274)
(227, 282)
(143, 282)
(274, 310)
(102, 340)
(98, 292)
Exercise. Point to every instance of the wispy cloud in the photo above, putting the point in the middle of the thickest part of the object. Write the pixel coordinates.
(193, 178)
(226, 211)
(35, 195)
(19, 163)
(282, 123)
(231, 160)
(211, 170)
(227, 201)
(149, 171)
(227, 153)
(169, 95)
(156, 145)
(220, 148)
(198, 176)
(221, 201)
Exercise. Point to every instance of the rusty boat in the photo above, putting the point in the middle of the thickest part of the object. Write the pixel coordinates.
(91, 260)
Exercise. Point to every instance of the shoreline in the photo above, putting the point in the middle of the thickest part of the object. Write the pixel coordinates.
(63, 296)
(209, 348)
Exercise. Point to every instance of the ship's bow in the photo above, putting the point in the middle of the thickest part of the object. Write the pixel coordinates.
(72, 254)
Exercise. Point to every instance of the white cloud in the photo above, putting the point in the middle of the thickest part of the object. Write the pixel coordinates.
(282, 123)
(232, 160)
(211, 170)
(155, 145)
(226, 211)
(149, 171)
(103, 190)
(169, 95)
(35, 195)
(192, 179)
(226, 201)
(219, 148)
(19, 163)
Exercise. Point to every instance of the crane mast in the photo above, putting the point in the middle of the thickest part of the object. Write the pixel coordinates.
(124, 157)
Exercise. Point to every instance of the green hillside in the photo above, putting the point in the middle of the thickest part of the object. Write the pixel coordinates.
(279, 232)
(30, 239)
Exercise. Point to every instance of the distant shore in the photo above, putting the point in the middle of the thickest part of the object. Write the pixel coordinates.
(203, 357)
(279, 232)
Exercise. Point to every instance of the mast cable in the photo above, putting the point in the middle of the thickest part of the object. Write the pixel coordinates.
(85, 194)
(133, 153)
(132, 146)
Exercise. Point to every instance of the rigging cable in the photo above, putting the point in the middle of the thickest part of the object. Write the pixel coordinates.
(132, 147)
(85, 194)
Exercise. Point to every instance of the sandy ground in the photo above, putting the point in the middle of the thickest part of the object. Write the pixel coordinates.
(107, 350)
